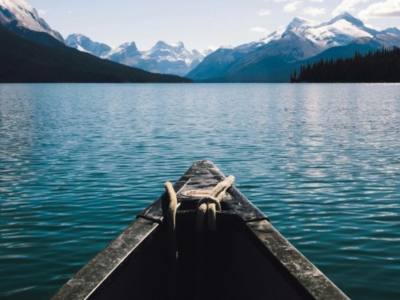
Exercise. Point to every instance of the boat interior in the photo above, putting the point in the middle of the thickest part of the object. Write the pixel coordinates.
(229, 263)
(241, 256)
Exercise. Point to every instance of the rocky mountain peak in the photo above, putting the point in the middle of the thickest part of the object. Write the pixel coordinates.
(18, 13)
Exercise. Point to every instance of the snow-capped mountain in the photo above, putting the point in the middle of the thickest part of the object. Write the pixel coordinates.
(302, 39)
(128, 54)
(305, 38)
(85, 44)
(162, 58)
(17, 14)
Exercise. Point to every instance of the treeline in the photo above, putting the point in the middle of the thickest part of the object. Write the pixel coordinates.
(380, 66)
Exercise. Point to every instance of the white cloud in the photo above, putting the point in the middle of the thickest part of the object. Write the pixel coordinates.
(317, 1)
(313, 11)
(383, 9)
(293, 6)
(260, 30)
(264, 12)
(346, 6)
(43, 12)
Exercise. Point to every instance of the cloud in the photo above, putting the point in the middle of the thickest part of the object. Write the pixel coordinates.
(313, 11)
(346, 6)
(317, 1)
(293, 6)
(43, 12)
(383, 9)
(260, 30)
(264, 12)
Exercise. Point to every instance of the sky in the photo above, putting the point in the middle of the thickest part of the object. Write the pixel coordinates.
(200, 24)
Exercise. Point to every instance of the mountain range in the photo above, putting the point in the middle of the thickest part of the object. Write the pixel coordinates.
(32, 52)
(273, 58)
(270, 59)
(162, 58)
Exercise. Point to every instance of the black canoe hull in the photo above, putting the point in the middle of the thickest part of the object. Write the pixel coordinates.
(246, 258)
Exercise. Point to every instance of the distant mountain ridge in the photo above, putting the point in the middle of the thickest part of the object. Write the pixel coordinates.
(33, 52)
(162, 58)
(268, 59)
(21, 18)
(84, 44)
(22, 60)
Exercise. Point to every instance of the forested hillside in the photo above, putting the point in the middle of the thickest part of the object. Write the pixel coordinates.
(380, 66)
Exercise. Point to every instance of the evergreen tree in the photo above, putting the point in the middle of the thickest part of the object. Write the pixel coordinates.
(380, 66)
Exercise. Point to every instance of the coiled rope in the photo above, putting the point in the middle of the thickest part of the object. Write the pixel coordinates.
(206, 206)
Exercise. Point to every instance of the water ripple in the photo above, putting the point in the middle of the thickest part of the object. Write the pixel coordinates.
(78, 162)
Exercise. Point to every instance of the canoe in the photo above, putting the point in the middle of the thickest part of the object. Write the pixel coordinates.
(230, 251)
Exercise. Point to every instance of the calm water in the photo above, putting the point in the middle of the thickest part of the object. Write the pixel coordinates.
(78, 162)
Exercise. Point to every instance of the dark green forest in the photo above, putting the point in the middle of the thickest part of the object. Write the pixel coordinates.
(380, 66)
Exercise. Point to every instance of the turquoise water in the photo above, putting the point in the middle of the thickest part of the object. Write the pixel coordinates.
(78, 162)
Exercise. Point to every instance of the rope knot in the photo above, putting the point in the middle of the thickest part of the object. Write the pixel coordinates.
(210, 200)
(211, 204)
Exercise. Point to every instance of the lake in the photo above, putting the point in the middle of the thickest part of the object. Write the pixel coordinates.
(79, 161)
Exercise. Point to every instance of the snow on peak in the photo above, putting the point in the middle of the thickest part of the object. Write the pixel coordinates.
(164, 45)
(273, 36)
(178, 44)
(25, 16)
(16, 4)
(302, 23)
(75, 38)
(339, 31)
(161, 58)
(79, 41)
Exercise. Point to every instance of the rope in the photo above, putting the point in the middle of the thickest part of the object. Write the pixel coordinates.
(211, 204)
(171, 217)
(206, 206)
